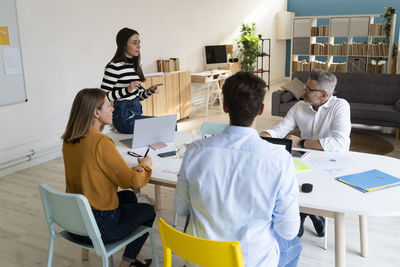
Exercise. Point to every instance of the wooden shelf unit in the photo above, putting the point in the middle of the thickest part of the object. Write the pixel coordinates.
(340, 44)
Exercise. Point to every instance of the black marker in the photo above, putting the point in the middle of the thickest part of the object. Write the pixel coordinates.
(148, 149)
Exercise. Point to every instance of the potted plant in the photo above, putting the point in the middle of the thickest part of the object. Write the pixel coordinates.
(248, 46)
(394, 57)
(388, 16)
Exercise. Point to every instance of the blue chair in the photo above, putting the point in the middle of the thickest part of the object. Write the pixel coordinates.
(73, 214)
(212, 128)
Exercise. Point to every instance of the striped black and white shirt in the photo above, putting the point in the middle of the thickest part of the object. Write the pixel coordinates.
(117, 77)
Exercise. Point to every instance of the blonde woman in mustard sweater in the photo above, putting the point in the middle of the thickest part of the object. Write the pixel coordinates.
(94, 168)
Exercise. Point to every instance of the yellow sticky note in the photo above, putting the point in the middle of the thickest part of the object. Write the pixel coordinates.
(4, 37)
(300, 166)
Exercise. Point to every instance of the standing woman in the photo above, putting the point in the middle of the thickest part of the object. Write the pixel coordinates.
(94, 168)
(123, 79)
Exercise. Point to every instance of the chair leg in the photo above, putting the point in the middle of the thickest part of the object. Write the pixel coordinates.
(397, 134)
(175, 222)
(111, 261)
(167, 257)
(363, 221)
(326, 234)
(153, 248)
(106, 262)
(84, 254)
(50, 256)
(220, 99)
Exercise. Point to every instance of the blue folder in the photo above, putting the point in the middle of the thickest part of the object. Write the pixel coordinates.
(369, 181)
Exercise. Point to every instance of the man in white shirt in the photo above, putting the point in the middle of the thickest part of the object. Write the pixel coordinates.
(324, 123)
(236, 186)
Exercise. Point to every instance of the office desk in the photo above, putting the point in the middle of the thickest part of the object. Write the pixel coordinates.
(329, 197)
(209, 79)
(334, 199)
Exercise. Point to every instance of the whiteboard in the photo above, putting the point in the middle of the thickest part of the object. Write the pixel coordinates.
(12, 81)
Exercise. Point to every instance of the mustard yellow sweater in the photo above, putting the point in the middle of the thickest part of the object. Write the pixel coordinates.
(94, 168)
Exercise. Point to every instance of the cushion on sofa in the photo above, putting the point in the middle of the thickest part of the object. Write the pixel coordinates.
(296, 87)
(396, 105)
(287, 97)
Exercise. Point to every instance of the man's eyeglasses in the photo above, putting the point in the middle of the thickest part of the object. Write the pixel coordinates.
(314, 90)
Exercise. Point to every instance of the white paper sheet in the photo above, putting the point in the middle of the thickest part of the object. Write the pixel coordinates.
(12, 61)
(168, 171)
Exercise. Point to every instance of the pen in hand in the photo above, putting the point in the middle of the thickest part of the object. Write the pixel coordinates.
(148, 149)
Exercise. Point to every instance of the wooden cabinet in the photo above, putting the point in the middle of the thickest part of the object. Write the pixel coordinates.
(174, 96)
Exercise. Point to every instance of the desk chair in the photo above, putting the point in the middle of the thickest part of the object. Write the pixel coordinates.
(199, 251)
(217, 94)
(73, 214)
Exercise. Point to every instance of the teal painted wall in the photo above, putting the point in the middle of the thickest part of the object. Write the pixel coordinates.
(339, 7)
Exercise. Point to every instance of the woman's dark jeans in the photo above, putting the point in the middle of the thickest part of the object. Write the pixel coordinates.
(121, 222)
(125, 113)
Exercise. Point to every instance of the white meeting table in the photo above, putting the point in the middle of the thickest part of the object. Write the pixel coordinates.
(329, 197)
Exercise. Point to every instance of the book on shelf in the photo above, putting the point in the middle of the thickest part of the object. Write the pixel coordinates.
(323, 30)
(378, 50)
(315, 64)
(369, 181)
(300, 66)
(377, 66)
(376, 29)
(168, 65)
(338, 67)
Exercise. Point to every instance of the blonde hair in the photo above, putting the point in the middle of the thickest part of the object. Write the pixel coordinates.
(81, 116)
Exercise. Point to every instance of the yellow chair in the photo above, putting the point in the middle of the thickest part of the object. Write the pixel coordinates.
(199, 251)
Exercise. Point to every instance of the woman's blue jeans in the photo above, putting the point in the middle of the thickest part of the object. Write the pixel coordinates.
(121, 222)
(125, 113)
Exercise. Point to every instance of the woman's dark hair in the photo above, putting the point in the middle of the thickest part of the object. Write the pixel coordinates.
(122, 39)
(243, 96)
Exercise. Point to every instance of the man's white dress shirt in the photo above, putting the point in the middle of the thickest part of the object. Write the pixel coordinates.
(237, 186)
(330, 125)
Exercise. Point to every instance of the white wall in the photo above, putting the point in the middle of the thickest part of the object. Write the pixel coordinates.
(66, 44)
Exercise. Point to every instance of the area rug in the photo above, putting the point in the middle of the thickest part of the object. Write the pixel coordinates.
(366, 143)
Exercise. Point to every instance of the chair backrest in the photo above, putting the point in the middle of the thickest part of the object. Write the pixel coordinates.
(72, 213)
(199, 251)
(212, 128)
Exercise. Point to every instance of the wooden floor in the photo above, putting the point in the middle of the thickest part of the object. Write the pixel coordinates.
(24, 234)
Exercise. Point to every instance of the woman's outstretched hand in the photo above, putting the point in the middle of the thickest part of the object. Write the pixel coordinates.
(155, 88)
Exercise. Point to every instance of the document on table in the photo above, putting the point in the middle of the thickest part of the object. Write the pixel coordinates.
(334, 165)
(370, 180)
(168, 171)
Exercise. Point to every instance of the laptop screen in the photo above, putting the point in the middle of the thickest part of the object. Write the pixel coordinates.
(152, 130)
(280, 141)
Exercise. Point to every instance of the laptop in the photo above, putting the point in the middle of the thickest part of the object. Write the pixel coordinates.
(151, 130)
(288, 145)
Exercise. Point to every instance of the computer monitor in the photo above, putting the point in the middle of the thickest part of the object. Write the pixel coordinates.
(215, 56)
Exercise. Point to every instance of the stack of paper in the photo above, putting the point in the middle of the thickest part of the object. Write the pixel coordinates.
(369, 180)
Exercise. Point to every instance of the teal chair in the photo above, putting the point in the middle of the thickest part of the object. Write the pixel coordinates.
(73, 214)
(212, 128)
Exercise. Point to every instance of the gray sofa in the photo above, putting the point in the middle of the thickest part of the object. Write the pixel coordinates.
(372, 98)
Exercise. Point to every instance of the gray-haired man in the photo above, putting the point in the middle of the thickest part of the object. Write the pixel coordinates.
(323, 120)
